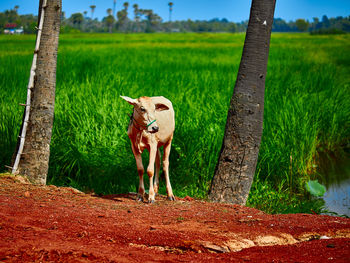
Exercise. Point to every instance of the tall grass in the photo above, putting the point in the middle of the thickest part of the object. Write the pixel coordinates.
(307, 105)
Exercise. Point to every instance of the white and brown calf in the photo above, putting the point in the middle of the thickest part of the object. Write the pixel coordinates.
(151, 126)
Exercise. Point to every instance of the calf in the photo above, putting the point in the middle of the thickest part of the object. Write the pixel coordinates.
(151, 126)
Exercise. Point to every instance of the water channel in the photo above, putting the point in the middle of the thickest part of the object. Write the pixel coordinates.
(335, 175)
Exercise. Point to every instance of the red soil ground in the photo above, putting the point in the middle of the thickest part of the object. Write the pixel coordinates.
(54, 224)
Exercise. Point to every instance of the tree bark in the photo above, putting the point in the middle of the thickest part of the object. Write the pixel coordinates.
(34, 161)
(239, 153)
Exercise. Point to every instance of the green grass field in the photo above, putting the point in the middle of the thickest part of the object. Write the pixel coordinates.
(307, 108)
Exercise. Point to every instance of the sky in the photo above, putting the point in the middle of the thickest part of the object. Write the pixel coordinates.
(233, 10)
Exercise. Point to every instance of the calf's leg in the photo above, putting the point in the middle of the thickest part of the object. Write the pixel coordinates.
(140, 170)
(150, 172)
(156, 181)
(166, 154)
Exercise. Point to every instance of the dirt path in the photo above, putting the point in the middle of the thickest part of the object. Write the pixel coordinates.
(41, 224)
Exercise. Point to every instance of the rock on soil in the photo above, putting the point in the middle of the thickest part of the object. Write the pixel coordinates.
(56, 224)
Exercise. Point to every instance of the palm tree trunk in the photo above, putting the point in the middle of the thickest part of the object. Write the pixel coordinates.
(34, 161)
(239, 153)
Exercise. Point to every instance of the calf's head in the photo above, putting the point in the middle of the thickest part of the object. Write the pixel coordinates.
(144, 115)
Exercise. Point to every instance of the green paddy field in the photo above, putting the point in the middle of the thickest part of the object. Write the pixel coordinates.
(307, 108)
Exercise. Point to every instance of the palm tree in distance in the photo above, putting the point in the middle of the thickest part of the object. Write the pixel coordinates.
(16, 8)
(170, 4)
(110, 19)
(92, 10)
(114, 3)
(136, 16)
(126, 5)
(136, 11)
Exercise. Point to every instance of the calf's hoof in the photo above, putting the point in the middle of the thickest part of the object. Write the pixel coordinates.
(155, 190)
(139, 198)
(150, 201)
(171, 198)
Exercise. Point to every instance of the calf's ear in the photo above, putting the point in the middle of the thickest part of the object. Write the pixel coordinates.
(129, 100)
(161, 107)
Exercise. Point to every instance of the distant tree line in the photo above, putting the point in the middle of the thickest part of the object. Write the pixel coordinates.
(331, 25)
(28, 22)
(145, 20)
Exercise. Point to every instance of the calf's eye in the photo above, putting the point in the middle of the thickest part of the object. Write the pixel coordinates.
(142, 109)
